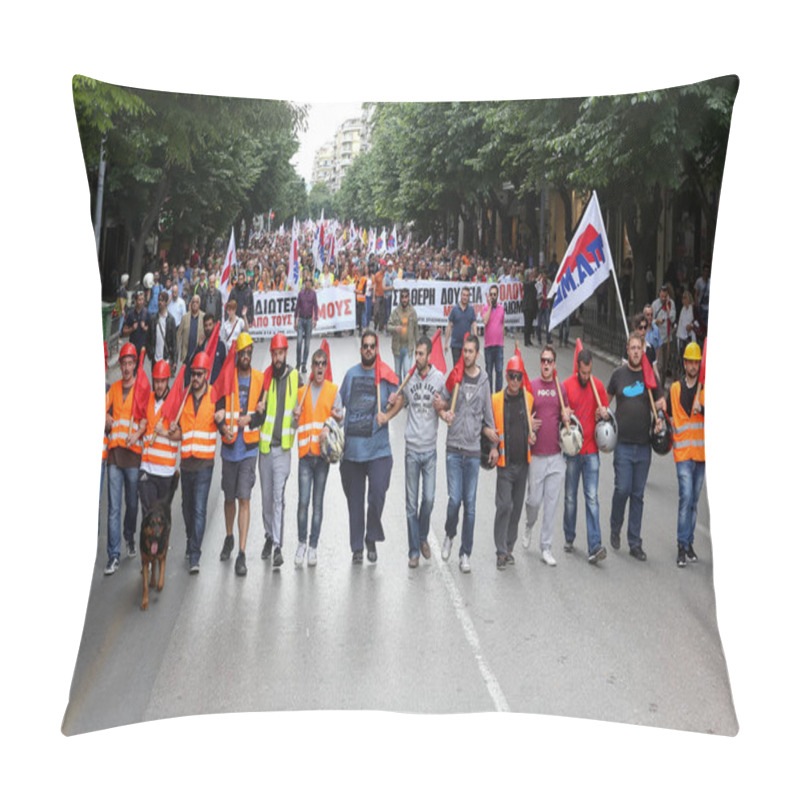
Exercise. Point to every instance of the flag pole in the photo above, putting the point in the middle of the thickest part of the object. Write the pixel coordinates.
(621, 307)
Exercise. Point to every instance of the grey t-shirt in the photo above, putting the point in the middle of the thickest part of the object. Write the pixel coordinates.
(422, 423)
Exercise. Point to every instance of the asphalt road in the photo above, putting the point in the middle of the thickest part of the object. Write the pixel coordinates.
(621, 641)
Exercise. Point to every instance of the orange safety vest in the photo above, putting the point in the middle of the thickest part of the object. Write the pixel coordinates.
(199, 439)
(162, 450)
(361, 289)
(232, 409)
(312, 418)
(498, 402)
(122, 423)
(688, 430)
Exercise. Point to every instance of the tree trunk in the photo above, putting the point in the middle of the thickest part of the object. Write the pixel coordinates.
(146, 228)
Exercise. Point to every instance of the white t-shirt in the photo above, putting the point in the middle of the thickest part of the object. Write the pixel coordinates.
(686, 318)
(177, 308)
(229, 331)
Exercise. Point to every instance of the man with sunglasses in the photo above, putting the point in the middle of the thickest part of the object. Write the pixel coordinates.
(367, 451)
(547, 467)
(316, 404)
(511, 409)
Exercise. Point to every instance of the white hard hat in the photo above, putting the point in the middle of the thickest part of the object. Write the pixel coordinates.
(571, 440)
(332, 447)
(148, 280)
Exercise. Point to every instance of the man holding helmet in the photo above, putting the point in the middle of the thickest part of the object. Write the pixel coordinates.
(633, 451)
(318, 402)
(233, 414)
(197, 431)
(276, 419)
(589, 404)
(685, 406)
(547, 467)
(511, 408)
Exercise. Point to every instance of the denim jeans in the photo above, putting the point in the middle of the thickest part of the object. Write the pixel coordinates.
(418, 517)
(312, 471)
(494, 364)
(195, 486)
(631, 467)
(543, 323)
(462, 487)
(691, 475)
(563, 332)
(586, 466)
(401, 363)
(117, 478)
(305, 325)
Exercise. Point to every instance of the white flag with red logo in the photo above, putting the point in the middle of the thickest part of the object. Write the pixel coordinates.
(586, 265)
(293, 276)
(228, 270)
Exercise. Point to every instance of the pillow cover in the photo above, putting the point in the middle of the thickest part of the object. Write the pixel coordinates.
(620, 639)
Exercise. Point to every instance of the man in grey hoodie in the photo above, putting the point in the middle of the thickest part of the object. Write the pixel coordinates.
(471, 415)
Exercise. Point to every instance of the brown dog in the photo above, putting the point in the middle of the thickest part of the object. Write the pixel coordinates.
(154, 541)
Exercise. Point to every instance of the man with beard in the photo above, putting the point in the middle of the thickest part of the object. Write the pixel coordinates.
(686, 407)
(422, 425)
(124, 458)
(135, 326)
(160, 453)
(305, 320)
(243, 295)
(632, 453)
(162, 335)
(493, 317)
(580, 397)
(404, 328)
(190, 331)
(276, 419)
(367, 452)
(234, 413)
(460, 323)
(471, 415)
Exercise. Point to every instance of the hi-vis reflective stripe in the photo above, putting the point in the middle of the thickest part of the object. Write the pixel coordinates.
(120, 430)
(199, 442)
(309, 433)
(683, 443)
(689, 426)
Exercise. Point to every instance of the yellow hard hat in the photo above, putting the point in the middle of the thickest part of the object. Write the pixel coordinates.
(244, 340)
(692, 352)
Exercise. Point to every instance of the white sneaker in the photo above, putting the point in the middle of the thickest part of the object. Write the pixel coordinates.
(526, 537)
(312, 556)
(463, 563)
(300, 555)
(548, 559)
(447, 546)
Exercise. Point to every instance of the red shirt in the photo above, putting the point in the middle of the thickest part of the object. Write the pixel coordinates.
(583, 404)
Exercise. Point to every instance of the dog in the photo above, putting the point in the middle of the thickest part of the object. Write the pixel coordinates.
(154, 541)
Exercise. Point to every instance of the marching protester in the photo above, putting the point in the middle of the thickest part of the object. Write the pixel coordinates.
(404, 328)
(686, 408)
(587, 399)
(460, 322)
(305, 320)
(422, 425)
(512, 408)
(319, 401)
(190, 331)
(162, 335)
(470, 416)
(367, 452)
(633, 451)
(275, 418)
(231, 326)
(234, 414)
(135, 326)
(493, 318)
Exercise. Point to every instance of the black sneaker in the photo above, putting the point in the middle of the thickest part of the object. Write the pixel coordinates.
(131, 549)
(241, 567)
(267, 550)
(569, 547)
(501, 562)
(615, 540)
(691, 555)
(227, 547)
(597, 555)
(372, 552)
(510, 560)
(277, 556)
(358, 557)
(681, 560)
(638, 554)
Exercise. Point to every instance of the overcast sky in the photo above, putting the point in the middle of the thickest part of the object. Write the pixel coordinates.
(323, 120)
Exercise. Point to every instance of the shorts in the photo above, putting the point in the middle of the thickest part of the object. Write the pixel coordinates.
(238, 478)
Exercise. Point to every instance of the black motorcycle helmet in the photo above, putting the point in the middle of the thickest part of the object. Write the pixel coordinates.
(661, 442)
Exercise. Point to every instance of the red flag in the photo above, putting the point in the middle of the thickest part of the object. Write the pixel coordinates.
(702, 376)
(223, 385)
(141, 391)
(211, 345)
(329, 370)
(526, 381)
(383, 371)
(169, 409)
(650, 381)
(578, 348)
(456, 375)
(437, 353)
(267, 378)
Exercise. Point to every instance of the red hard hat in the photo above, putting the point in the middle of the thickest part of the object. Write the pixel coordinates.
(515, 365)
(128, 350)
(201, 361)
(279, 342)
(161, 370)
